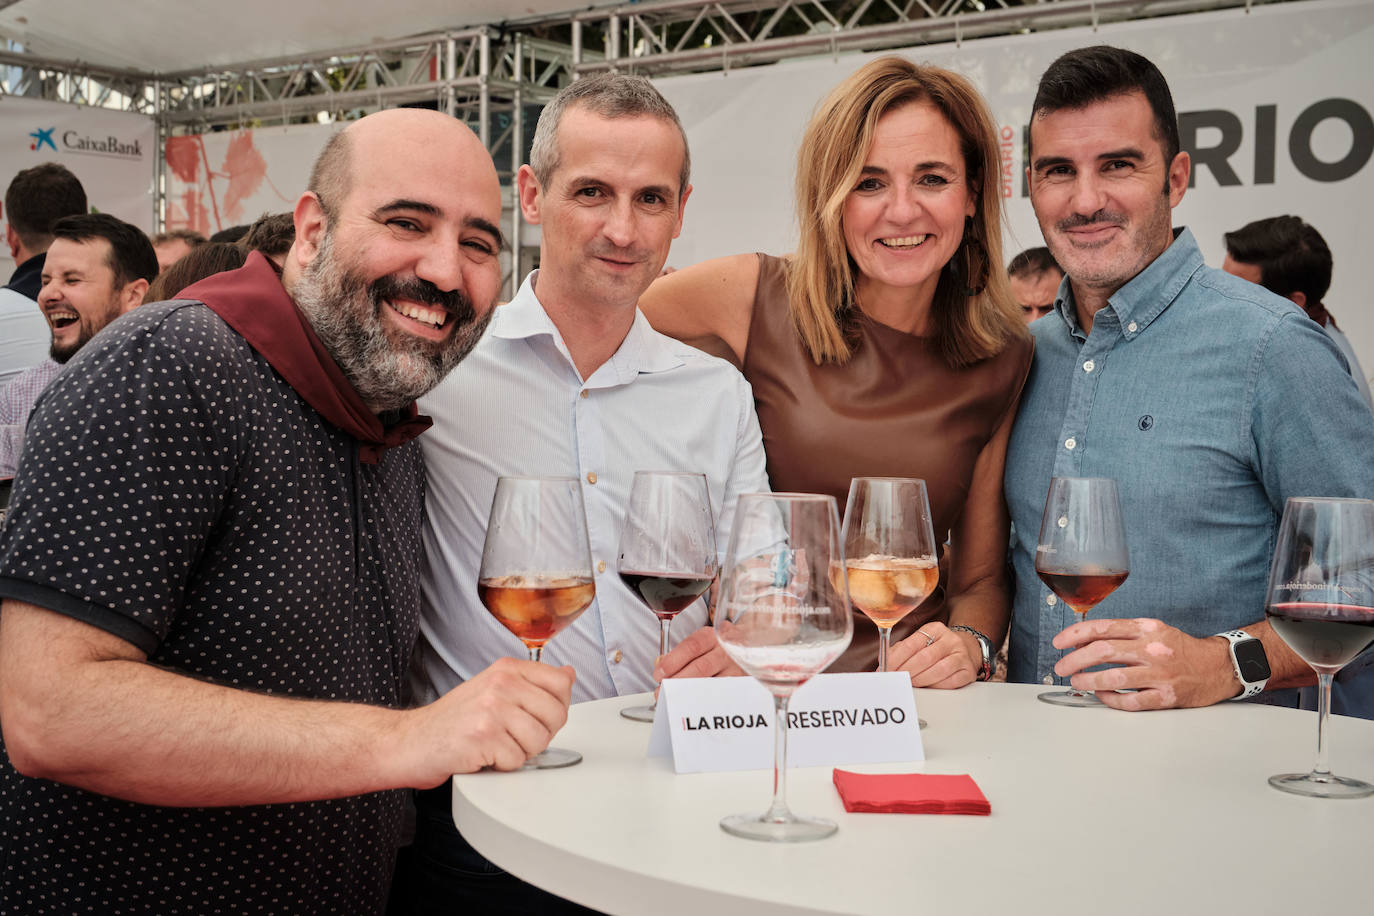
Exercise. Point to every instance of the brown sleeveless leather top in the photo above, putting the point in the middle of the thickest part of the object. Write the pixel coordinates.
(894, 410)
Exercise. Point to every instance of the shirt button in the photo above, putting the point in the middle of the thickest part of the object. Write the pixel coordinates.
(1052, 600)
(601, 566)
(1089, 366)
(584, 393)
(1070, 443)
(591, 477)
(1047, 680)
(1131, 327)
(617, 656)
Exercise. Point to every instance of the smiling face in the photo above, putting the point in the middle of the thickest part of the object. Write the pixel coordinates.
(1102, 191)
(79, 295)
(904, 219)
(610, 211)
(400, 282)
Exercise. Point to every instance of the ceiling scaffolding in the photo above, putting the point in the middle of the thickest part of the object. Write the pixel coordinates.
(476, 73)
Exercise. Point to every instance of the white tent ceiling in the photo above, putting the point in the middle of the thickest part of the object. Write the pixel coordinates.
(171, 35)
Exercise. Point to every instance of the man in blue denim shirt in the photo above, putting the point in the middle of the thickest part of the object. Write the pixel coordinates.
(1209, 400)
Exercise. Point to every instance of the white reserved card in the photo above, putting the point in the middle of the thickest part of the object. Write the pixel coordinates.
(726, 723)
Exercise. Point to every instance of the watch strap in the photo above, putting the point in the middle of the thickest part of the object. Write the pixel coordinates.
(1248, 688)
(985, 644)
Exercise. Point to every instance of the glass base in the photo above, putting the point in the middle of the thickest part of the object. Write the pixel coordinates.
(553, 758)
(638, 713)
(1321, 786)
(790, 830)
(1070, 698)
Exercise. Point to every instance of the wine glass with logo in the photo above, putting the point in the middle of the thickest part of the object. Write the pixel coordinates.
(536, 573)
(667, 550)
(783, 616)
(889, 548)
(1321, 603)
(1081, 554)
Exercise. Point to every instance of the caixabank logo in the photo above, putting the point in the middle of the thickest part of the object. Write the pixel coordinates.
(75, 141)
(43, 137)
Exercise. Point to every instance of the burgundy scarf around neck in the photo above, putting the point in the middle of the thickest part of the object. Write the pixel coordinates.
(252, 301)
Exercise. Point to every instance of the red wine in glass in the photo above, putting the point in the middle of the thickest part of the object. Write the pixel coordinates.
(1321, 603)
(666, 594)
(667, 551)
(1324, 635)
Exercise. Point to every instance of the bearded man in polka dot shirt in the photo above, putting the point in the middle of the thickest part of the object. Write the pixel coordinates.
(209, 569)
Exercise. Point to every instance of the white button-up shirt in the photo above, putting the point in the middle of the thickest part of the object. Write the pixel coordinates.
(518, 407)
(24, 334)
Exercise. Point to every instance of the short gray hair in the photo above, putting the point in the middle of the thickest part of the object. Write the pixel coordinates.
(610, 95)
(331, 177)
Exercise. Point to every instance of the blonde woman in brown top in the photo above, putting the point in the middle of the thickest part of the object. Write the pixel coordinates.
(889, 343)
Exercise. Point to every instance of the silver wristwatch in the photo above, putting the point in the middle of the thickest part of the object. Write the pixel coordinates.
(989, 654)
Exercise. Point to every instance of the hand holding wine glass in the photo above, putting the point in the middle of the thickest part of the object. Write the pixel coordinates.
(536, 573)
(667, 550)
(783, 616)
(1321, 603)
(1081, 554)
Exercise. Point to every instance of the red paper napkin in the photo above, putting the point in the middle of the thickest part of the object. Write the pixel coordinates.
(910, 793)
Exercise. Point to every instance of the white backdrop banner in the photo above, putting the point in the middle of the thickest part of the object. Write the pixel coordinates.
(1274, 104)
(228, 178)
(114, 153)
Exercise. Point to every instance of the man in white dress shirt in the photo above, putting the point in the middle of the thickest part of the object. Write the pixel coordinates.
(36, 198)
(570, 380)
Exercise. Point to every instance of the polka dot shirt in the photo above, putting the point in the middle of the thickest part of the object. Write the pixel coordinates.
(176, 491)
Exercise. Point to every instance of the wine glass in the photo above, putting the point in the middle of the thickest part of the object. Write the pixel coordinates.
(889, 548)
(1321, 603)
(667, 550)
(783, 616)
(536, 573)
(1081, 554)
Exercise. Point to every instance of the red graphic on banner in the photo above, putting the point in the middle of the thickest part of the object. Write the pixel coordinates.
(1006, 136)
(203, 207)
(245, 168)
(183, 157)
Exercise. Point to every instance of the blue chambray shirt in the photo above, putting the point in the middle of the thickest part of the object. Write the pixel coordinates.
(1210, 401)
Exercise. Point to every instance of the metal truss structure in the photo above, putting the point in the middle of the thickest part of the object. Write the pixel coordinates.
(674, 36)
(27, 76)
(497, 78)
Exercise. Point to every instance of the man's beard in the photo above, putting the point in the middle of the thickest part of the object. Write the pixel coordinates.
(387, 371)
(88, 328)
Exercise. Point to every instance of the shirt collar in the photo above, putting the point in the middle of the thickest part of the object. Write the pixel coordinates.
(1146, 295)
(28, 277)
(643, 350)
(252, 301)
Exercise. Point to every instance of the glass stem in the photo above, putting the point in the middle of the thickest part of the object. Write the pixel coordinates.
(777, 812)
(884, 639)
(536, 652)
(1082, 616)
(1322, 770)
(665, 623)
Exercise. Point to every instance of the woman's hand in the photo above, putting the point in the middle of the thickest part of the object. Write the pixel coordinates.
(936, 656)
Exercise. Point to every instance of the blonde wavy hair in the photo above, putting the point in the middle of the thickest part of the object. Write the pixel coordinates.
(821, 276)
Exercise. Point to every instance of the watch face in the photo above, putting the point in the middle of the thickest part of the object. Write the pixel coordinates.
(1250, 658)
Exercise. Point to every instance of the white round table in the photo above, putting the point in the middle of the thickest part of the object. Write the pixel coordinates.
(1093, 811)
